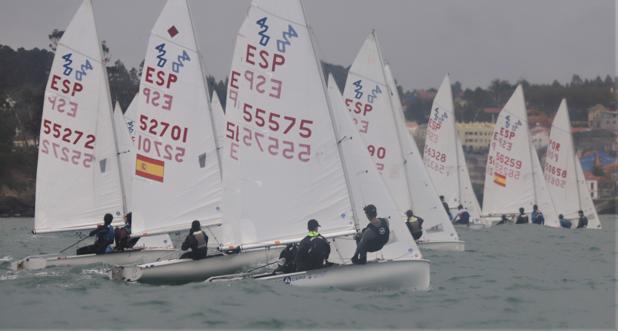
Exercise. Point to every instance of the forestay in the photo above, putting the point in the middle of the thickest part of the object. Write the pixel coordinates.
(366, 186)
(78, 180)
(513, 176)
(177, 171)
(443, 154)
(281, 161)
(563, 173)
(126, 154)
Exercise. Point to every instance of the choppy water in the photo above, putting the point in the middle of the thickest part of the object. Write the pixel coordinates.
(509, 277)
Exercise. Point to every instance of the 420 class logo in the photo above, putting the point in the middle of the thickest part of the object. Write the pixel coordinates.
(512, 125)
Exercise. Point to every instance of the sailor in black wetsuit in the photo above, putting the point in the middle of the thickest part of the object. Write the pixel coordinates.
(373, 237)
(313, 250)
(197, 241)
(522, 218)
(446, 207)
(414, 224)
(105, 238)
(583, 220)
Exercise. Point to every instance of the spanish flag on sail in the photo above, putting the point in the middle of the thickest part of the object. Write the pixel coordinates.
(149, 168)
(500, 179)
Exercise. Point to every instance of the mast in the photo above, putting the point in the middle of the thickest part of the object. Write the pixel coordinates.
(390, 102)
(109, 104)
(332, 121)
(205, 81)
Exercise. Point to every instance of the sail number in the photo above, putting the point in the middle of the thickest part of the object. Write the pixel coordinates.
(275, 122)
(160, 149)
(160, 128)
(66, 154)
(68, 135)
(265, 143)
(434, 154)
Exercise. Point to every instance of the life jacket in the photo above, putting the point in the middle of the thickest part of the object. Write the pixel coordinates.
(415, 227)
(565, 223)
(313, 250)
(201, 238)
(382, 231)
(464, 217)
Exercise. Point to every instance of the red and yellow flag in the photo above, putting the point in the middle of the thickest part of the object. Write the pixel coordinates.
(500, 179)
(149, 168)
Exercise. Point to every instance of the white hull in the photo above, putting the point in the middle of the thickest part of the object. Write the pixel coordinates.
(179, 271)
(411, 274)
(126, 257)
(453, 246)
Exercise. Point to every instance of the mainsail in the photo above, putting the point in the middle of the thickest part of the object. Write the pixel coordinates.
(444, 157)
(177, 169)
(78, 179)
(563, 173)
(513, 176)
(281, 162)
(370, 97)
(218, 117)
(126, 154)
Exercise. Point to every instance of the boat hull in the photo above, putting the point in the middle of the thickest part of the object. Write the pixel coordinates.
(182, 271)
(125, 257)
(452, 246)
(411, 274)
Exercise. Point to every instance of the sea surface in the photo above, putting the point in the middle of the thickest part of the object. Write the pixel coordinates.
(521, 277)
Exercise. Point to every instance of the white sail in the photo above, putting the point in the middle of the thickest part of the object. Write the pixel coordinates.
(367, 186)
(129, 117)
(443, 155)
(78, 180)
(126, 154)
(513, 176)
(281, 161)
(563, 173)
(371, 100)
(218, 117)
(177, 169)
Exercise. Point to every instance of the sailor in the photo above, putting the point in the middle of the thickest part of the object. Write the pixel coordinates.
(104, 240)
(583, 220)
(122, 235)
(462, 217)
(373, 237)
(564, 222)
(414, 224)
(522, 218)
(446, 207)
(503, 220)
(537, 215)
(313, 250)
(197, 240)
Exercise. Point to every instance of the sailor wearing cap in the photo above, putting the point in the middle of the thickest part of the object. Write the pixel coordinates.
(313, 250)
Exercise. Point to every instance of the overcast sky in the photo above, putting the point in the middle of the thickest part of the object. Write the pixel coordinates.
(473, 40)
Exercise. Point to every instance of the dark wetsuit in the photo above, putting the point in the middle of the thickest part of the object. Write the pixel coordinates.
(313, 251)
(582, 223)
(372, 239)
(565, 223)
(102, 245)
(522, 219)
(415, 226)
(448, 210)
(198, 243)
(463, 217)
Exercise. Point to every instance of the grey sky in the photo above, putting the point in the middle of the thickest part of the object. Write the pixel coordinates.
(474, 40)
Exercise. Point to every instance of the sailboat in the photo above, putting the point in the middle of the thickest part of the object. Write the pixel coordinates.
(564, 175)
(178, 174)
(78, 177)
(513, 176)
(444, 156)
(286, 160)
(371, 98)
